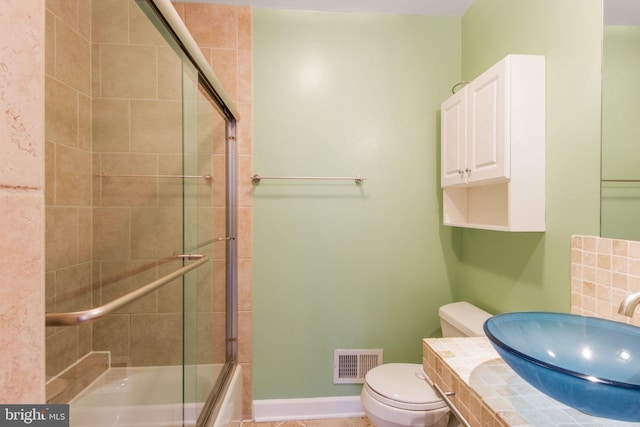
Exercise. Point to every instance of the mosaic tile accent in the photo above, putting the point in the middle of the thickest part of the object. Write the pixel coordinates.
(489, 393)
(603, 272)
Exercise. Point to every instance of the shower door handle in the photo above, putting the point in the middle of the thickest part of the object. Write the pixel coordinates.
(445, 396)
(189, 257)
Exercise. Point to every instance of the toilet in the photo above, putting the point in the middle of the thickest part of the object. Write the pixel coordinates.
(398, 394)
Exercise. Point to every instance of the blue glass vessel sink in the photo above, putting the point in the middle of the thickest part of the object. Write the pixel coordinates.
(590, 364)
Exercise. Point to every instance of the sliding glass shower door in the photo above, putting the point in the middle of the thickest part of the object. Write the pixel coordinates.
(140, 187)
(205, 233)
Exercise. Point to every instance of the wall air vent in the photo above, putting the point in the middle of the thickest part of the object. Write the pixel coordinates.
(351, 366)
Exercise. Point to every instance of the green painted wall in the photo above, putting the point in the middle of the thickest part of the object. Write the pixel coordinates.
(338, 265)
(621, 131)
(506, 272)
(343, 266)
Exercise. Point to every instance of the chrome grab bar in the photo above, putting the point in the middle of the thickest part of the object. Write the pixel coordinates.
(79, 317)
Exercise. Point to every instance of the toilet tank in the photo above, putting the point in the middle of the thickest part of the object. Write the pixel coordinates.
(461, 319)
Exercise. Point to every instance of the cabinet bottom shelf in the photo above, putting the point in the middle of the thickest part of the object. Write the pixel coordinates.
(478, 226)
(492, 207)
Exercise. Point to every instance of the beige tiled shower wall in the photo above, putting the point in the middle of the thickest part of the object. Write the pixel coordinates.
(104, 235)
(224, 34)
(603, 272)
(137, 124)
(68, 166)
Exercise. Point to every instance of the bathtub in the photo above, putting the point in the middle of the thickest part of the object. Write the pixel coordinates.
(150, 397)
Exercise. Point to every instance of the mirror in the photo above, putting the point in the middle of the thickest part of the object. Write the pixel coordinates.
(620, 175)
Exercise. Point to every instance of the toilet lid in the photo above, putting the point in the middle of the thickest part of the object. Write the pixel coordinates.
(402, 385)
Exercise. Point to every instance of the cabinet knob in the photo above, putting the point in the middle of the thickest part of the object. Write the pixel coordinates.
(467, 170)
(460, 171)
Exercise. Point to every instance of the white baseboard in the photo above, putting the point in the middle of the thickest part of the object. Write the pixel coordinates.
(307, 409)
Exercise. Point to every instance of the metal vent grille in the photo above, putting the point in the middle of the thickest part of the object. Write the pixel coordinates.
(351, 366)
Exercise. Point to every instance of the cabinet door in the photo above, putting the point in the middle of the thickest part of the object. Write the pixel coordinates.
(453, 127)
(487, 148)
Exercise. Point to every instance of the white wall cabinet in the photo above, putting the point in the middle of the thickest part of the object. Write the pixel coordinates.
(493, 148)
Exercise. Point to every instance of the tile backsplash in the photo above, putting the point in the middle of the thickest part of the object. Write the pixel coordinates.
(603, 272)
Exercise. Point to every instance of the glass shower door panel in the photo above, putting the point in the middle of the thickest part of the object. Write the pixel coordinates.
(204, 233)
(132, 214)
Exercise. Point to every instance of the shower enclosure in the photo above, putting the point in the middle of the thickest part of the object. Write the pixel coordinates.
(140, 218)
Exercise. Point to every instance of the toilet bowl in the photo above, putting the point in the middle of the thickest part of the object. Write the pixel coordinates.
(398, 394)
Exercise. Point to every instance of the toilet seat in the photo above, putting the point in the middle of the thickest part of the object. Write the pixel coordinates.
(402, 386)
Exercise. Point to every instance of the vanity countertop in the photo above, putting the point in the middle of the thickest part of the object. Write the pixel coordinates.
(488, 393)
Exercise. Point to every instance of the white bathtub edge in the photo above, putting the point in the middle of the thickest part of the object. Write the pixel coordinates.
(307, 409)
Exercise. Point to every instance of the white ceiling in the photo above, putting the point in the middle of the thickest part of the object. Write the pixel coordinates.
(622, 12)
(401, 7)
(616, 12)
